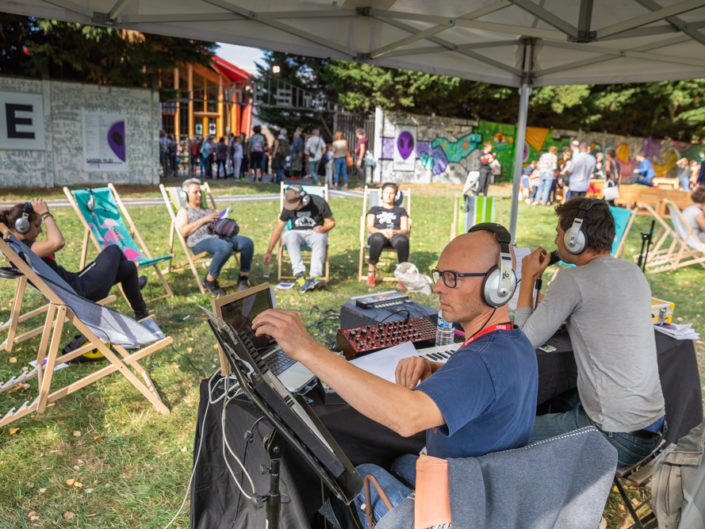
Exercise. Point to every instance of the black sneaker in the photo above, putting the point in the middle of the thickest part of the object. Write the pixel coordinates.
(213, 287)
(142, 281)
(243, 283)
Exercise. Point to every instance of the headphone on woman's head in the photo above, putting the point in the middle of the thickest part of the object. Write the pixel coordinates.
(185, 186)
(398, 196)
(500, 281)
(304, 197)
(22, 224)
(575, 239)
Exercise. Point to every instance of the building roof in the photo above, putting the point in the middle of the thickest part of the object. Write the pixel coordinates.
(229, 70)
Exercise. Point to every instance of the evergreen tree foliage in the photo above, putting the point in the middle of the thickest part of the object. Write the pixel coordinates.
(32, 47)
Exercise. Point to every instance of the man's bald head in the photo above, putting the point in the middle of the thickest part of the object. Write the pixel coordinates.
(471, 252)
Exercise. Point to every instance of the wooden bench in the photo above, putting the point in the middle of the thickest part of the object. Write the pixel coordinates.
(630, 195)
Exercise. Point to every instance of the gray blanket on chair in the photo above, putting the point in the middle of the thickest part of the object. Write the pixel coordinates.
(560, 483)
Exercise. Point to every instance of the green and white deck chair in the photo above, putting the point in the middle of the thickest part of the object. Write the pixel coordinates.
(98, 324)
(370, 199)
(174, 199)
(319, 191)
(102, 212)
(479, 209)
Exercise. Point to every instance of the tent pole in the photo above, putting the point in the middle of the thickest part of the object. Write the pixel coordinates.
(524, 93)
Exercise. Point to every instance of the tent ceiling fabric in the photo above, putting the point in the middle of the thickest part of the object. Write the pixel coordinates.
(575, 41)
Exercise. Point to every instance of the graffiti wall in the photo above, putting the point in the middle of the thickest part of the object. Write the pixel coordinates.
(428, 149)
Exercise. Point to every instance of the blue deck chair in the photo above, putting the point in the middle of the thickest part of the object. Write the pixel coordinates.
(100, 326)
(101, 212)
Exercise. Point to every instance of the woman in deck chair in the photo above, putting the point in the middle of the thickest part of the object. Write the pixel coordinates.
(694, 215)
(194, 225)
(95, 280)
(388, 225)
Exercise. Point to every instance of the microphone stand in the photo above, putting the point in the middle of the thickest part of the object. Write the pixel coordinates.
(645, 242)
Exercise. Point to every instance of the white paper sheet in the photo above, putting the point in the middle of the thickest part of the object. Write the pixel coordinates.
(383, 363)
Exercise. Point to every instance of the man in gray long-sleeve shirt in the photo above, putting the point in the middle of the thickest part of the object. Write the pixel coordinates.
(606, 303)
(581, 169)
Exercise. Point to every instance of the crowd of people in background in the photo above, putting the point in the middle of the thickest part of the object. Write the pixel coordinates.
(571, 172)
(267, 155)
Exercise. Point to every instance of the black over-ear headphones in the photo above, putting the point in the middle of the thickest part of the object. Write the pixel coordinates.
(304, 197)
(575, 239)
(500, 281)
(398, 196)
(22, 224)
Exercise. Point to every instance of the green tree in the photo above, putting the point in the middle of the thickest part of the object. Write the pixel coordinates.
(61, 50)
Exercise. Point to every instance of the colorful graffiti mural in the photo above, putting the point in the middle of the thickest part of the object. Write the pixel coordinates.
(445, 155)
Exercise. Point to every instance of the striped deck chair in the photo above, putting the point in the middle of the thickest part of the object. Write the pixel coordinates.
(98, 324)
(370, 199)
(102, 212)
(675, 247)
(174, 199)
(479, 209)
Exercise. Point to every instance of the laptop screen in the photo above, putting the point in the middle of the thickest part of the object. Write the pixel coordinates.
(240, 308)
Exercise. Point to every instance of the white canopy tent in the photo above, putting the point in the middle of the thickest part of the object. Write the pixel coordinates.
(521, 43)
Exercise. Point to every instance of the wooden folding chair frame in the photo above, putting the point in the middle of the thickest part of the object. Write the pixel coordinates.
(17, 317)
(671, 251)
(132, 230)
(321, 191)
(57, 315)
(362, 276)
(173, 204)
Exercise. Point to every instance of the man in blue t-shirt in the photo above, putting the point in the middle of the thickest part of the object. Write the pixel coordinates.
(482, 400)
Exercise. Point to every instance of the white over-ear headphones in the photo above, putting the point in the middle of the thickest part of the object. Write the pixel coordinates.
(500, 281)
(304, 197)
(398, 195)
(22, 224)
(575, 239)
(184, 188)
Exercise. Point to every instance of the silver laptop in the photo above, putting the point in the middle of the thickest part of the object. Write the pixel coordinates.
(238, 310)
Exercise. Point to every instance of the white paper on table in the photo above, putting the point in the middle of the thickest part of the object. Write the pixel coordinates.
(679, 332)
(383, 363)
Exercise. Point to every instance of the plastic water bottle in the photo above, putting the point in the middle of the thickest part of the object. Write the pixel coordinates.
(265, 270)
(444, 331)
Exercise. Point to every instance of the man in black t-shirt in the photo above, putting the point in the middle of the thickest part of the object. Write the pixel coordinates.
(311, 219)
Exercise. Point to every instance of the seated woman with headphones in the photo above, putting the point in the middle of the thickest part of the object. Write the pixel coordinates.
(194, 225)
(388, 225)
(95, 280)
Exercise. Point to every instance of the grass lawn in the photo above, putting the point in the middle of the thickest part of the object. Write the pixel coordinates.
(103, 457)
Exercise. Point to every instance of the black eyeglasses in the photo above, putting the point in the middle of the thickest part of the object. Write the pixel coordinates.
(450, 278)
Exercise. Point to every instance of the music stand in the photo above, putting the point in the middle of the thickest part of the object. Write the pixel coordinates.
(290, 416)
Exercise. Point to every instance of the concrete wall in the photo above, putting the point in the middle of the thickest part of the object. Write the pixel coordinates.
(61, 161)
(447, 149)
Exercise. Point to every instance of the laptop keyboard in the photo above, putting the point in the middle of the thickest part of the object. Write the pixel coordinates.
(279, 361)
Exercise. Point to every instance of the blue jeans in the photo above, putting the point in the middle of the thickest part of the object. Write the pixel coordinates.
(279, 172)
(630, 449)
(313, 169)
(341, 165)
(395, 490)
(221, 249)
(685, 182)
(544, 187)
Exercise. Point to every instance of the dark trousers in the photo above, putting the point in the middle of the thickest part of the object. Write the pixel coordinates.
(484, 181)
(109, 268)
(399, 242)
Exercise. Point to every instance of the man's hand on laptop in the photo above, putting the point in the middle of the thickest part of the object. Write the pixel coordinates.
(287, 329)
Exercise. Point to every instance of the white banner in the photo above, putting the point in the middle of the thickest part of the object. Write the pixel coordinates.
(21, 121)
(404, 148)
(104, 140)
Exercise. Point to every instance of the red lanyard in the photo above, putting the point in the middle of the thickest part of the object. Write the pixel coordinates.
(491, 328)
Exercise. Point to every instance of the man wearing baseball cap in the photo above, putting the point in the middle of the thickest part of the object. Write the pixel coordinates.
(311, 220)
